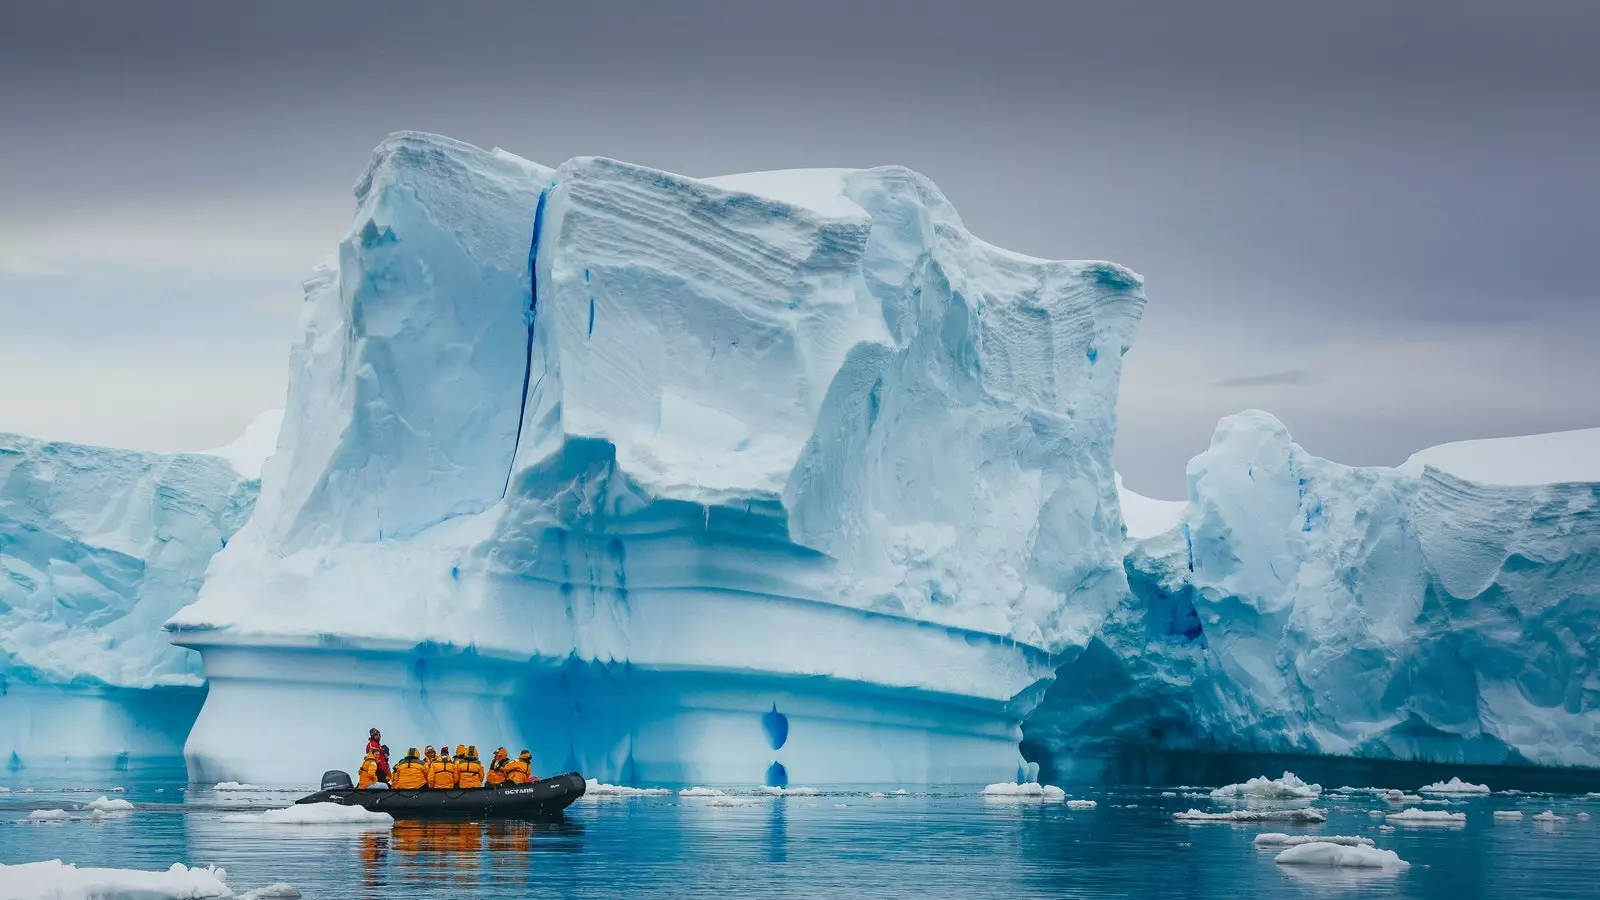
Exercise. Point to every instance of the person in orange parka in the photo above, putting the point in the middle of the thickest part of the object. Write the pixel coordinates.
(497, 768)
(469, 769)
(410, 773)
(442, 774)
(367, 775)
(520, 770)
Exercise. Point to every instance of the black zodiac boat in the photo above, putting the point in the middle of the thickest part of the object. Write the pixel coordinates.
(539, 799)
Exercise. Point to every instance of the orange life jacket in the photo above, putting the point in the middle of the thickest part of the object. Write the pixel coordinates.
(441, 774)
(368, 773)
(409, 774)
(497, 771)
(517, 772)
(470, 773)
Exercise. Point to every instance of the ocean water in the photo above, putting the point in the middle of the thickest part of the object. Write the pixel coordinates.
(928, 843)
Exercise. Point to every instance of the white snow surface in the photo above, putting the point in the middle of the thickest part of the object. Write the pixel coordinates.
(804, 403)
(248, 452)
(1535, 459)
(1302, 606)
(1276, 839)
(315, 814)
(1414, 816)
(1325, 853)
(1454, 786)
(1289, 787)
(55, 880)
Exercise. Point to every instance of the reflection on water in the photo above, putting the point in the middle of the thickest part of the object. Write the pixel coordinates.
(932, 844)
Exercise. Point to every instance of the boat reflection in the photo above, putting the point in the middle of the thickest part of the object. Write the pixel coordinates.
(452, 852)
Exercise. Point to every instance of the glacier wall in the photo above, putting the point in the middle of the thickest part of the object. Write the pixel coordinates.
(749, 479)
(1302, 606)
(97, 548)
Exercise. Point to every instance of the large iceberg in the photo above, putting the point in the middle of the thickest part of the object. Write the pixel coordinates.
(1447, 610)
(770, 476)
(98, 547)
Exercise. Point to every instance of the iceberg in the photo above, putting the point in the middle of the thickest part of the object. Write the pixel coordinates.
(98, 547)
(1441, 611)
(737, 480)
(1328, 853)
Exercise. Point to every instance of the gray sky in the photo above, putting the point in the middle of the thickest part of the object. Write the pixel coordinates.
(1374, 219)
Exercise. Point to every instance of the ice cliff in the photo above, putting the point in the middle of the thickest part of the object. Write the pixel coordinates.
(746, 479)
(97, 548)
(1447, 610)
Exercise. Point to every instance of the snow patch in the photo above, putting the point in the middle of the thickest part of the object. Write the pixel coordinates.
(1536, 459)
(249, 452)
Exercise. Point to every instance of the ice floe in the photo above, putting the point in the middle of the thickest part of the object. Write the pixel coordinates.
(1454, 786)
(106, 804)
(1509, 815)
(49, 815)
(56, 880)
(1308, 814)
(236, 786)
(1549, 816)
(1414, 816)
(788, 792)
(1275, 839)
(1081, 804)
(315, 814)
(702, 792)
(1326, 853)
(596, 788)
(1289, 787)
(1028, 790)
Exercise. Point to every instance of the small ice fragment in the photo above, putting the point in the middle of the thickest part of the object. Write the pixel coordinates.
(1080, 804)
(595, 788)
(1308, 814)
(702, 792)
(1288, 787)
(1549, 816)
(106, 804)
(49, 815)
(1275, 839)
(1509, 815)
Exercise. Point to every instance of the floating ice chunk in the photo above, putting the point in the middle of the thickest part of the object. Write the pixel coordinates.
(27, 790)
(1028, 790)
(1510, 815)
(1414, 816)
(1549, 816)
(702, 792)
(1275, 839)
(597, 789)
(789, 792)
(732, 801)
(902, 792)
(1081, 804)
(1169, 793)
(1454, 786)
(1385, 828)
(1327, 853)
(1593, 795)
(1583, 817)
(5, 790)
(56, 880)
(279, 891)
(316, 814)
(1288, 787)
(236, 786)
(106, 804)
(1308, 814)
(49, 815)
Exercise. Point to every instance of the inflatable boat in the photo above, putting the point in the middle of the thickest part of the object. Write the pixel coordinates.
(539, 799)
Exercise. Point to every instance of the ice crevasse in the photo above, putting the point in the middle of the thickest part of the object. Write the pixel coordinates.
(743, 479)
(1447, 610)
(98, 546)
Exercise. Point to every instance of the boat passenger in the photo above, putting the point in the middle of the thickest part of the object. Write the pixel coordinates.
(442, 772)
(410, 773)
(469, 770)
(497, 768)
(367, 775)
(375, 745)
(520, 770)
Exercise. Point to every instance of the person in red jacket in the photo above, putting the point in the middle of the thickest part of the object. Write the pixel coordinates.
(376, 748)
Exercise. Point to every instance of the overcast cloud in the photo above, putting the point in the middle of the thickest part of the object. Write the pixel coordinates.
(1373, 219)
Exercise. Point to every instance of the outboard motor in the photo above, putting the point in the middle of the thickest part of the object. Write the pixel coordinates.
(335, 780)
